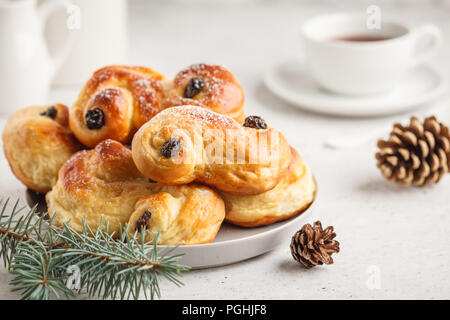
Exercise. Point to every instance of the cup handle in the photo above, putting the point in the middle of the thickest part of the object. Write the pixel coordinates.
(45, 11)
(434, 34)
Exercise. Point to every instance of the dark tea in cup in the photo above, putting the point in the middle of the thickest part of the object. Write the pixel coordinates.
(362, 38)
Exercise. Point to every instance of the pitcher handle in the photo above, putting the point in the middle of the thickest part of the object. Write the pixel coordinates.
(45, 11)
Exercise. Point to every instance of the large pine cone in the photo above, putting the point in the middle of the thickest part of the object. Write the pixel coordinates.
(312, 245)
(418, 154)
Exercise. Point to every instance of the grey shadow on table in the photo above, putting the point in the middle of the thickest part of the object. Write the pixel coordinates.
(36, 199)
(233, 264)
(290, 266)
(378, 185)
(381, 186)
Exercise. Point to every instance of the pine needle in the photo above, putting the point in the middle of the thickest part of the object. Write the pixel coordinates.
(110, 267)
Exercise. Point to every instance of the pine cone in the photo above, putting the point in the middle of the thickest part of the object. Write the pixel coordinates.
(313, 246)
(418, 154)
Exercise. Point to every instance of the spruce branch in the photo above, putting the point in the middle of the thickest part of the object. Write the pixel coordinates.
(39, 257)
(17, 227)
(38, 272)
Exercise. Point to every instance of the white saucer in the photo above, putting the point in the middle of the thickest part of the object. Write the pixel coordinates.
(291, 82)
(232, 244)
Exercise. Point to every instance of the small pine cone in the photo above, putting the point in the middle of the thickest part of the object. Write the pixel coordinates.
(312, 245)
(418, 154)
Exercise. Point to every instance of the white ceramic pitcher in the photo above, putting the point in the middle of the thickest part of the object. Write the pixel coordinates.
(26, 67)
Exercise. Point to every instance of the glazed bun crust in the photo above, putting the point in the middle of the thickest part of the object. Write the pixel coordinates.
(37, 141)
(115, 102)
(221, 92)
(103, 185)
(209, 147)
(98, 185)
(290, 197)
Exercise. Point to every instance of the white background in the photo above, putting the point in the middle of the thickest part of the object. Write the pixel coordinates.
(402, 233)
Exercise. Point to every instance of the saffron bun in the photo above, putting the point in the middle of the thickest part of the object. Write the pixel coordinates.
(293, 195)
(115, 102)
(37, 141)
(103, 186)
(211, 86)
(189, 143)
(186, 214)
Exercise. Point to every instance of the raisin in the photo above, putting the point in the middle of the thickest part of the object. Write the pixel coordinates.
(95, 119)
(255, 122)
(171, 148)
(142, 221)
(51, 112)
(194, 87)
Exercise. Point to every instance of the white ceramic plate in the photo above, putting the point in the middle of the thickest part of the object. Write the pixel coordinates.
(291, 82)
(232, 244)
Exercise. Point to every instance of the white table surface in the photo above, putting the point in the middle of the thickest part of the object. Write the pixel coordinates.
(399, 236)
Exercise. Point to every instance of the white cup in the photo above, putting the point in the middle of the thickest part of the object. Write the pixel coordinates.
(364, 67)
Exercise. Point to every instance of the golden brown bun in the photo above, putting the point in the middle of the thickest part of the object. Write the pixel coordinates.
(213, 149)
(104, 185)
(37, 146)
(187, 214)
(123, 97)
(291, 196)
(221, 92)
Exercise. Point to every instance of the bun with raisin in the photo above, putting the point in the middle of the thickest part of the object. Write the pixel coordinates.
(190, 143)
(37, 141)
(211, 86)
(186, 214)
(103, 186)
(115, 102)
